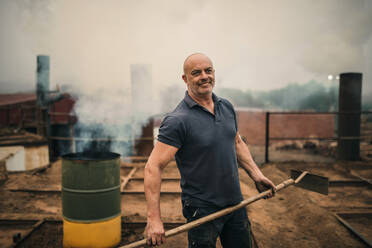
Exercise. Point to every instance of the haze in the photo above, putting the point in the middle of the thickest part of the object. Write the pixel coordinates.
(255, 45)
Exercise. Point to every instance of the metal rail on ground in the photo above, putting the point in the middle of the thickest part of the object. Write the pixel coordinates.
(353, 230)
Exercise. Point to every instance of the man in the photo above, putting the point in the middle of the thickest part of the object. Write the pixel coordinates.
(202, 134)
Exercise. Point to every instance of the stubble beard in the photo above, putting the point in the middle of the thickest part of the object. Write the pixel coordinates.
(201, 91)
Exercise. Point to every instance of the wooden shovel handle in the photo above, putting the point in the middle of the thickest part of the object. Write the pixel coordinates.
(218, 214)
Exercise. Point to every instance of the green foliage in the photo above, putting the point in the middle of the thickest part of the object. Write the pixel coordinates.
(367, 102)
(240, 98)
(321, 100)
(309, 96)
(312, 95)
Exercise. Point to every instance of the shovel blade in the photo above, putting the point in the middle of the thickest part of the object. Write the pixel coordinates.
(312, 182)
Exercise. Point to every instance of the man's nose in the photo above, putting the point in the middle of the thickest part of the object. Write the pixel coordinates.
(204, 76)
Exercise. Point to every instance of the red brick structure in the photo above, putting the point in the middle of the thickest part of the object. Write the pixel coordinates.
(15, 108)
(252, 125)
(11, 113)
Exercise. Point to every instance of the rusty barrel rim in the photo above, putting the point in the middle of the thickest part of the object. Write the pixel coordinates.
(91, 156)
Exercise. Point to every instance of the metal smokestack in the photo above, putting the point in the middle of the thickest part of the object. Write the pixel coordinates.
(42, 85)
(141, 77)
(142, 104)
(349, 106)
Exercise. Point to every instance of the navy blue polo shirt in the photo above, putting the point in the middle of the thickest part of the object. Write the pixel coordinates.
(206, 156)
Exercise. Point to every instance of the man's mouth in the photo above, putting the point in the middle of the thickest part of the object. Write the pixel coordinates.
(204, 83)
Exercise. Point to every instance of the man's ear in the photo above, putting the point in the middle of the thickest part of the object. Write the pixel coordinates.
(184, 78)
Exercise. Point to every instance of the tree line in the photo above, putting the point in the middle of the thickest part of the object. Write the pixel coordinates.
(313, 95)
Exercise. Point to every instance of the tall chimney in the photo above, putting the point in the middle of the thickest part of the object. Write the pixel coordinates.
(349, 106)
(42, 85)
(141, 76)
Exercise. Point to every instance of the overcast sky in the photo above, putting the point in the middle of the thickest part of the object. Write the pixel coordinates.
(255, 45)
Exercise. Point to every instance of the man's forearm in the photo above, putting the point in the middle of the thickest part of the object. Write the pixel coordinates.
(152, 183)
(159, 158)
(246, 161)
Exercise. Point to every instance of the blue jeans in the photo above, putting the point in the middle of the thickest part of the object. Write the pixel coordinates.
(233, 229)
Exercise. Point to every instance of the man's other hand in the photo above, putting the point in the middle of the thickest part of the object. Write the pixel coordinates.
(263, 184)
(154, 233)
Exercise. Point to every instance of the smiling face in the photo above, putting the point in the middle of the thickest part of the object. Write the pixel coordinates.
(199, 75)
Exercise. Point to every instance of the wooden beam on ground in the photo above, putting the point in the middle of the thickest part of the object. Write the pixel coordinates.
(28, 233)
(163, 178)
(142, 192)
(127, 178)
(50, 191)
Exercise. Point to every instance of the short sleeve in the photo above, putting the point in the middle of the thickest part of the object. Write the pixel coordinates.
(231, 107)
(235, 119)
(172, 131)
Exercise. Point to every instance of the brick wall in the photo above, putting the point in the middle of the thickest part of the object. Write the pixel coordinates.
(252, 126)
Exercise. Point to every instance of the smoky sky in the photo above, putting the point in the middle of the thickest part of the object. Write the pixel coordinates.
(255, 45)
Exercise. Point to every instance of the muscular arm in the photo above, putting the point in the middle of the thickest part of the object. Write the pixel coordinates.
(246, 161)
(159, 158)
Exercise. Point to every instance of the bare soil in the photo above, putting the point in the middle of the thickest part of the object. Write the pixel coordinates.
(296, 217)
(293, 218)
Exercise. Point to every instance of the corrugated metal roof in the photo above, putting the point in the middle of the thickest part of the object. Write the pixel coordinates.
(9, 99)
(59, 111)
(22, 139)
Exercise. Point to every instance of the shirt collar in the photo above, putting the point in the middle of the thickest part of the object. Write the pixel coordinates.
(191, 103)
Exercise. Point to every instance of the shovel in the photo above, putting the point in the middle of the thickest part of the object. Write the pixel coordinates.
(301, 179)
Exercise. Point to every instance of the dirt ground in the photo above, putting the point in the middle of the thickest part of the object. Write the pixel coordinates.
(298, 218)
(293, 218)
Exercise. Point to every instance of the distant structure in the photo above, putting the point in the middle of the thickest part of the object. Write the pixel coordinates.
(44, 112)
(141, 84)
(349, 107)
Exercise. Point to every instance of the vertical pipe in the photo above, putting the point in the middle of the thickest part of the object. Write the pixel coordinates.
(21, 124)
(349, 108)
(42, 91)
(48, 132)
(8, 116)
(42, 84)
(72, 135)
(38, 118)
(267, 137)
(42, 88)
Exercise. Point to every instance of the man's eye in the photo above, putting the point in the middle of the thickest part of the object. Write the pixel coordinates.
(208, 71)
(195, 73)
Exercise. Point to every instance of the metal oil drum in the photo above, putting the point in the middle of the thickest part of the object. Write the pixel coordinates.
(91, 199)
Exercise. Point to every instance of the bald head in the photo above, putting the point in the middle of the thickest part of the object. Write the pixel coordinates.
(198, 76)
(192, 58)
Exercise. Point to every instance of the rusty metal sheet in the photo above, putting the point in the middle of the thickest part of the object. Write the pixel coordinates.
(312, 182)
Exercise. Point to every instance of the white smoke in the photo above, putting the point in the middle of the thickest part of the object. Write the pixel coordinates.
(107, 115)
(255, 45)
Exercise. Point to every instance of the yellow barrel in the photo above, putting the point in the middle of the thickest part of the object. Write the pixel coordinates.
(95, 234)
(91, 200)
